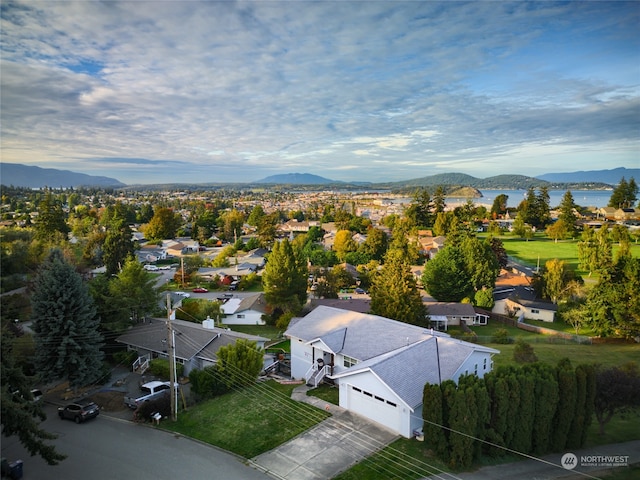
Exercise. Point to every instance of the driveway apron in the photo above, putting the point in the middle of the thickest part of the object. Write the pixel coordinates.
(327, 449)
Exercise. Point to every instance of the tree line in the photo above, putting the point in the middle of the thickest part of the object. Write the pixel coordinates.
(534, 409)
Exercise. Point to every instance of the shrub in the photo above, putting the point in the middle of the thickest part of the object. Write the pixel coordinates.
(523, 352)
(501, 336)
(208, 382)
(160, 368)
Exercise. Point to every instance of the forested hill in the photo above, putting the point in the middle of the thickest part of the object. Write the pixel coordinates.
(498, 182)
(18, 175)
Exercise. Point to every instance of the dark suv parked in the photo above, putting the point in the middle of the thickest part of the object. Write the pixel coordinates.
(79, 411)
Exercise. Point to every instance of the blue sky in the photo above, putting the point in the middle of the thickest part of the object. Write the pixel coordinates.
(189, 91)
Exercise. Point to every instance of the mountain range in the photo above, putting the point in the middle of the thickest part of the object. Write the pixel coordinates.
(18, 175)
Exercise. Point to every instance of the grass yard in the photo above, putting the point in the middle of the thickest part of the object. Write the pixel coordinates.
(404, 459)
(267, 331)
(542, 248)
(248, 421)
(326, 392)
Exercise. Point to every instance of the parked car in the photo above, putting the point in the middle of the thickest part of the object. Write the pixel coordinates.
(36, 394)
(359, 290)
(151, 268)
(79, 411)
(200, 290)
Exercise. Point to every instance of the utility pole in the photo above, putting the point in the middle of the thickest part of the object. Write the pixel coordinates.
(172, 361)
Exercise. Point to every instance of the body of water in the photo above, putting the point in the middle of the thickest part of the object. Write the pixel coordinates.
(584, 198)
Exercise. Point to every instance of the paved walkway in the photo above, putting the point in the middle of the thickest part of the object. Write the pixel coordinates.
(327, 449)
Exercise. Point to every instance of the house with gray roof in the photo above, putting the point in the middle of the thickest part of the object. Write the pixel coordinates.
(196, 345)
(380, 365)
(247, 310)
(522, 302)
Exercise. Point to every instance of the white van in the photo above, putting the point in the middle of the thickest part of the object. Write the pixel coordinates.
(151, 268)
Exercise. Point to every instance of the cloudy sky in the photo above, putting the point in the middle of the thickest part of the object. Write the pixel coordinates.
(205, 91)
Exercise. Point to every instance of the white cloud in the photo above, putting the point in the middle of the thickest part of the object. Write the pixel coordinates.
(314, 86)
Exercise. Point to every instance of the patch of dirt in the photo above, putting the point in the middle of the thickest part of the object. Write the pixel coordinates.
(109, 401)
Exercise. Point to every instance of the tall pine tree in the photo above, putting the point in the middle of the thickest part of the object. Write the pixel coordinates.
(66, 327)
(394, 293)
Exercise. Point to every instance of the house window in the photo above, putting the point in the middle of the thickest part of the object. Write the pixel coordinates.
(368, 394)
(380, 399)
(534, 310)
(391, 403)
(240, 315)
(356, 389)
(476, 372)
(485, 363)
(349, 362)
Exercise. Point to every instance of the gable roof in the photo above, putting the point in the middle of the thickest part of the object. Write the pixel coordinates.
(403, 356)
(524, 296)
(191, 339)
(251, 302)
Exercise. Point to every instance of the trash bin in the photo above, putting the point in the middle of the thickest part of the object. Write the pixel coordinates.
(15, 469)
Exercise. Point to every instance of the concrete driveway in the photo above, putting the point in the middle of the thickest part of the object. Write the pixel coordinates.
(327, 449)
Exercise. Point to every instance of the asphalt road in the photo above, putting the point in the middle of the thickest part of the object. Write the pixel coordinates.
(107, 448)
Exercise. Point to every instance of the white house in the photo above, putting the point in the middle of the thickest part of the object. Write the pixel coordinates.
(380, 365)
(522, 302)
(244, 311)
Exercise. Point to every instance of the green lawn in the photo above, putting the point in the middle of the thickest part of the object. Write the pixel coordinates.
(328, 393)
(248, 421)
(404, 459)
(266, 331)
(541, 248)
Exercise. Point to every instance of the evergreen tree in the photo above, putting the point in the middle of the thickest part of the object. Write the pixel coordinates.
(394, 293)
(117, 246)
(420, 211)
(567, 390)
(546, 401)
(567, 206)
(526, 413)
(624, 195)
(18, 414)
(432, 413)
(52, 220)
(285, 278)
(497, 390)
(65, 324)
(574, 436)
(497, 246)
(463, 418)
(439, 200)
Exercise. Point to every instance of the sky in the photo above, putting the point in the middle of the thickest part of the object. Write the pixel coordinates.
(203, 91)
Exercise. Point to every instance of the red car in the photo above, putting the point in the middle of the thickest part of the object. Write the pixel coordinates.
(200, 290)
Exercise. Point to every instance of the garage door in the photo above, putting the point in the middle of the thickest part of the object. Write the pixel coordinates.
(378, 409)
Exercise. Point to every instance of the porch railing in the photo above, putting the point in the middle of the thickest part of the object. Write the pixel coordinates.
(142, 364)
(314, 376)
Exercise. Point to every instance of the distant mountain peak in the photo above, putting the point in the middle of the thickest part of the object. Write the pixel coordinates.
(612, 176)
(297, 179)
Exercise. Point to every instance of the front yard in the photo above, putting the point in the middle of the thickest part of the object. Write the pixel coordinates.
(248, 421)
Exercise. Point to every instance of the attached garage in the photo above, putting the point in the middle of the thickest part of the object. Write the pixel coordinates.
(385, 411)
